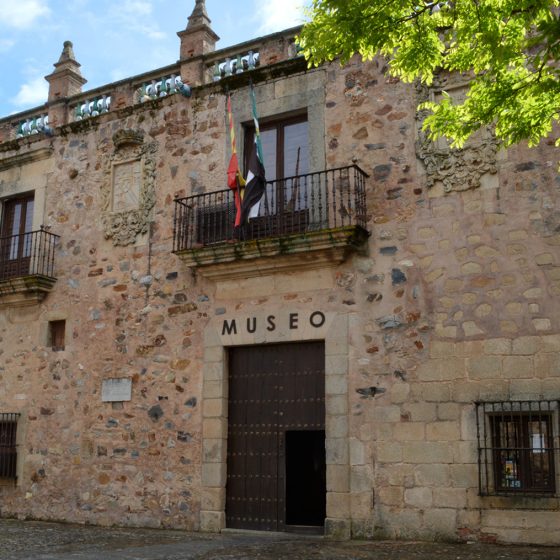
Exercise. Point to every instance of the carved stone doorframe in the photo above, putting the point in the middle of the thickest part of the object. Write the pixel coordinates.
(334, 332)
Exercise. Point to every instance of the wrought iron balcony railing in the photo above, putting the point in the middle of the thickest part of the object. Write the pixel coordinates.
(27, 254)
(301, 204)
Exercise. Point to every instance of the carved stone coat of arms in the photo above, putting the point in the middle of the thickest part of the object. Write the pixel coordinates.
(128, 191)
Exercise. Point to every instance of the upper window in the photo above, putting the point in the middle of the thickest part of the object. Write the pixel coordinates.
(285, 147)
(16, 237)
(518, 447)
(17, 217)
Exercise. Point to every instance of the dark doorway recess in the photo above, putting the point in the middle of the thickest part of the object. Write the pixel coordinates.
(306, 479)
(276, 437)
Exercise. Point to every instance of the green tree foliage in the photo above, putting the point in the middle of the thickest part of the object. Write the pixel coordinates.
(510, 50)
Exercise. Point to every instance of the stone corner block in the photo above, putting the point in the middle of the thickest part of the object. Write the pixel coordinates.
(338, 529)
(363, 528)
(212, 521)
(214, 475)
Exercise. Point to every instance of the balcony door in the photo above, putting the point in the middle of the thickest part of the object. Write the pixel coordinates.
(16, 242)
(285, 146)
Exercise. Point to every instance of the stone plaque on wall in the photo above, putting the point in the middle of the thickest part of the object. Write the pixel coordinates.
(127, 181)
(116, 389)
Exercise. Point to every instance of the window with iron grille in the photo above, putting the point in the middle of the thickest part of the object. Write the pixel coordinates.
(518, 447)
(8, 447)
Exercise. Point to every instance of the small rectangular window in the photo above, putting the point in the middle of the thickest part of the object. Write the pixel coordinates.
(8, 448)
(518, 447)
(56, 335)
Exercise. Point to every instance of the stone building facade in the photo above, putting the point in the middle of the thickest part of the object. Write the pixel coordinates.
(387, 330)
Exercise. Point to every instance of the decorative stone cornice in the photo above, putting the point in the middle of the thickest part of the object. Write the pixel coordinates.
(25, 290)
(261, 257)
(25, 158)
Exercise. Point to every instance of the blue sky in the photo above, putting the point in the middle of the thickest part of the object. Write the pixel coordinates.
(114, 39)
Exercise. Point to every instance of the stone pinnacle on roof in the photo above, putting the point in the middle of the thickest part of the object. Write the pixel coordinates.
(199, 15)
(198, 38)
(66, 80)
(67, 52)
(67, 60)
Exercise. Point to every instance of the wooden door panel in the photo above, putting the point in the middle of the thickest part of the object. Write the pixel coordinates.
(272, 388)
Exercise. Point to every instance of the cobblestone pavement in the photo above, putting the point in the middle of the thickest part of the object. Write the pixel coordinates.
(29, 540)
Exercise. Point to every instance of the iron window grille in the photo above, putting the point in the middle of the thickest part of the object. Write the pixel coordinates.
(518, 447)
(8, 446)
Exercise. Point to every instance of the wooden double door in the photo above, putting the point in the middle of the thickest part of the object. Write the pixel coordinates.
(276, 473)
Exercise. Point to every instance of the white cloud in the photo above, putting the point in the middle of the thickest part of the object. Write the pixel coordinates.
(136, 16)
(152, 33)
(34, 92)
(276, 15)
(6, 44)
(135, 8)
(23, 13)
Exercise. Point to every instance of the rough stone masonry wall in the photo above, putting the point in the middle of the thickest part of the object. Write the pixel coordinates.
(457, 302)
(131, 312)
(454, 300)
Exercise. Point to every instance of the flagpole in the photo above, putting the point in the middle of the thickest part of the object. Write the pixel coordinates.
(234, 178)
(256, 121)
(256, 181)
